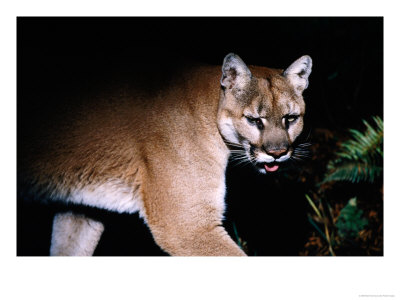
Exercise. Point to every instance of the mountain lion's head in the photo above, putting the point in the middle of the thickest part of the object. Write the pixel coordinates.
(261, 111)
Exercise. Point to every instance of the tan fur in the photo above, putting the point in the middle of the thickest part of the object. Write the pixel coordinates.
(163, 153)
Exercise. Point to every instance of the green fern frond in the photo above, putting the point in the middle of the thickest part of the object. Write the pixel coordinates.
(355, 172)
(361, 157)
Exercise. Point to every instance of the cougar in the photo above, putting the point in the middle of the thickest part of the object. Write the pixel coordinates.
(163, 153)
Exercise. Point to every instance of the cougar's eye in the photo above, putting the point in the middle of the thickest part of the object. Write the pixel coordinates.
(255, 121)
(291, 118)
(288, 119)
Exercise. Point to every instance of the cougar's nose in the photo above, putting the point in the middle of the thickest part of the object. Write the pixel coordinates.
(276, 153)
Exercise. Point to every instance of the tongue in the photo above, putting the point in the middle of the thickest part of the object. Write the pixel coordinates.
(271, 168)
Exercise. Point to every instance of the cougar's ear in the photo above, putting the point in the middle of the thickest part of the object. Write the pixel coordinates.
(298, 73)
(234, 72)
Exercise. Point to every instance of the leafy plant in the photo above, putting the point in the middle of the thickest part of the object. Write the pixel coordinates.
(361, 157)
(350, 221)
(321, 217)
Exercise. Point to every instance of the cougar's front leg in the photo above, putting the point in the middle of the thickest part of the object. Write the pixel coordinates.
(190, 240)
(185, 216)
(74, 235)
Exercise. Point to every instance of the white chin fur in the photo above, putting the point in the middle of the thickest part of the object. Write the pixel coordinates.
(262, 170)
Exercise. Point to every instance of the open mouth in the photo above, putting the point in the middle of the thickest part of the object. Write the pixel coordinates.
(271, 167)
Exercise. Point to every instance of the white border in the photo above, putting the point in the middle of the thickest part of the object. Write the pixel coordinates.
(198, 278)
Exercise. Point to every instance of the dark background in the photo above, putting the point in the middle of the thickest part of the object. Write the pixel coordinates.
(63, 56)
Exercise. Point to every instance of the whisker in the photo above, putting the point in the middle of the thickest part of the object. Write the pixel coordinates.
(304, 144)
(239, 153)
(239, 158)
(241, 162)
(234, 144)
(301, 150)
(301, 155)
(296, 158)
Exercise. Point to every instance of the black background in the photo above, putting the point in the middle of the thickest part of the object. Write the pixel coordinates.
(61, 56)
